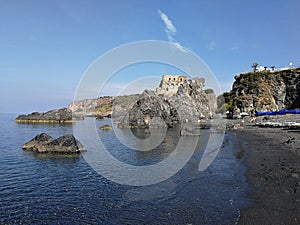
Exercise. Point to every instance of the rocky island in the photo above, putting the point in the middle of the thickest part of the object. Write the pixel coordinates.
(63, 115)
(43, 143)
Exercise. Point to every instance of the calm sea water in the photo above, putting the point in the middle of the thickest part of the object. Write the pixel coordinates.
(45, 189)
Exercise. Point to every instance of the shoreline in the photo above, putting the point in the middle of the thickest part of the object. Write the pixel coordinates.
(272, 157)
(44, 121)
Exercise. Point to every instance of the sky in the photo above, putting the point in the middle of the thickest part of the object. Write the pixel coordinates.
(47, 46)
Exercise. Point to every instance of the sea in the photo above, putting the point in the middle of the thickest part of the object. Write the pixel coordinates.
(64, 189)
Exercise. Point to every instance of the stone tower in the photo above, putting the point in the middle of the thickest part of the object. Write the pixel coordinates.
(169, 84)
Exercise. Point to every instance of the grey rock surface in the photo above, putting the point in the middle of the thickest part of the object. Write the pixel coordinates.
(148, 108)
(57, 115)
(267, 91)
(44, 143)
(168, 105)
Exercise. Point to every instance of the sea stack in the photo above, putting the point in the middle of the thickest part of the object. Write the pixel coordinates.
(43, 143)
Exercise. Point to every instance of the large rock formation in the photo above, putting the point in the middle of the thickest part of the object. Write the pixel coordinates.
(43, 143)
(146, 111)
(121, 105)
(265, 91)
(191, 101)
(175, 100)
(63, 115)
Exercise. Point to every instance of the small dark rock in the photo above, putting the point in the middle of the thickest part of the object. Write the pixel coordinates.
(189, 129)
(105, 127)
(99, 118)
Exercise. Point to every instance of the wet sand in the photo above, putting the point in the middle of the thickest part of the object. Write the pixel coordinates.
(272, 156)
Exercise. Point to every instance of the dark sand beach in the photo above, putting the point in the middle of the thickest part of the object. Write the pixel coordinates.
(272, 156)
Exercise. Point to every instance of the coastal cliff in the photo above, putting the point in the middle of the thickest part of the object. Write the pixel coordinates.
(97, 106)
(176, 99)
(103, 106)
(264, 91)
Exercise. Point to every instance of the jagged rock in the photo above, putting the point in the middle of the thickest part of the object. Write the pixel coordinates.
(44, 143)
(37, 141)
(63, 115)
(121, 105)
(191, 101)
(148, 107)
(175, 100)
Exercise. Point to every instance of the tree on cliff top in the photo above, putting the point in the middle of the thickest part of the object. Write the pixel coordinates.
(254, 66)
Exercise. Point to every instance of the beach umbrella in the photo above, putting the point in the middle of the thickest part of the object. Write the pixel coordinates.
(259, 114)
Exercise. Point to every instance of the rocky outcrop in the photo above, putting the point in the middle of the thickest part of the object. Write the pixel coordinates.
(265, 91)
(148, 109)
(161, 108)
(121, 105)
(43, 143)
(63, 115)
(191, 101)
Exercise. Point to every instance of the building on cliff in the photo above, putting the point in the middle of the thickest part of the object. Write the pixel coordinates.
(265, 91)
(176, 100)
(169, 84)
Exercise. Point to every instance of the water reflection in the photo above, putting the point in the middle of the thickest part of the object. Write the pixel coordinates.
(57, 158)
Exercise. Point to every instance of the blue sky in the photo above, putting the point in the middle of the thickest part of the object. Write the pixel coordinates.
(46, 46)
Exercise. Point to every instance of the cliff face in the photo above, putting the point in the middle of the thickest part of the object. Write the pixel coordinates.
(98, 106)
(266, 91)
(103, 106)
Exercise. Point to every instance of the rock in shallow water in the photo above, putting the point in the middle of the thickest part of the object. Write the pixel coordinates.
(105, 127)
(190, 130)
(43, 143)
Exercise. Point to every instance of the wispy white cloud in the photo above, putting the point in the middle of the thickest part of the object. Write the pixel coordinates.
(170, 30)
(212, 45)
